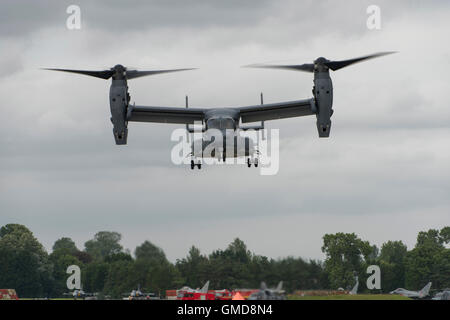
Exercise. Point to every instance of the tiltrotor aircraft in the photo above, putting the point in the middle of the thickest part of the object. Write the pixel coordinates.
(229, 120)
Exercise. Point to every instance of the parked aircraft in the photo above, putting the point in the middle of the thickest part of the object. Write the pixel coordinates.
(355, 288)
(443, 295)
(414, 294)
(139, 295)
(268, 294)
(80, 294)
(188, 290)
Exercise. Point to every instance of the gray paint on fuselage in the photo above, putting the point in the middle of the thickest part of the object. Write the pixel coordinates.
(243, 146)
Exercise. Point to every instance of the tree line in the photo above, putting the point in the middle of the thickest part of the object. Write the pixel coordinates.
(108, 269)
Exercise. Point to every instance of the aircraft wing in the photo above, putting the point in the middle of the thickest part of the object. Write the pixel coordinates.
(406, 293)
(410, 294)
(165, 114)
(281, 110)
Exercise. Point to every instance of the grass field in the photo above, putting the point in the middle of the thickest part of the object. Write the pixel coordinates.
(46, 299)
(351, 297)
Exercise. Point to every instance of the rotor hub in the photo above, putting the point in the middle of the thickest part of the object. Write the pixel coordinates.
(320, 60)
(119, 72)
(320, 64)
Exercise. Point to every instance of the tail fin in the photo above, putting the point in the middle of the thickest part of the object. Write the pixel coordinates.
(355, 288)
(205, 287)
(263, 286)
(425, 291)
(280, 286)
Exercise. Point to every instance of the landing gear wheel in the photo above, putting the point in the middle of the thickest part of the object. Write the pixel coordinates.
(192, 164)
(199, 165)
(249, 164)
(256, 163)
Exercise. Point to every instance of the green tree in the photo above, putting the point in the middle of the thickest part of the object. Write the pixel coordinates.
(345, 254)
(392, 265)
(152, 269)
(445, 235)
(65, 244)
(61, 259)
(237, 250)
(230, 268)
(161, 277)
(193, 268)
(429, 260)
(293, 271)
(21, 238)
(149, 252)
(262, 269)
(84, 257)
(94, 276)
(121, 256)
(120, 279)
(24, 263)
(105, 243)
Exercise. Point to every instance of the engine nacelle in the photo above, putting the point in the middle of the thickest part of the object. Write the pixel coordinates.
(323, 93)
(118, 101)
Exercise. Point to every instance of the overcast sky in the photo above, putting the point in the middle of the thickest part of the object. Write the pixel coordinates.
(383, 174)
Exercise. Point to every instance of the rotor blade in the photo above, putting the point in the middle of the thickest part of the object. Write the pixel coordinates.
(131, 74)
(336, 65)
(307, 67)
(105, 74)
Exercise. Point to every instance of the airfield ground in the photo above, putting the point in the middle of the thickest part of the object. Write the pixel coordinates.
(332, 297)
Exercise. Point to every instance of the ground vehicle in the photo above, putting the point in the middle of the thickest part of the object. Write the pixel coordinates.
(196, 296)
(222, 294)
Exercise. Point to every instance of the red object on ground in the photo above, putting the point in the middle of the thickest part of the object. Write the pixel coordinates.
(222, 294)
(238, 296)
(198, 296)
(171, 294)
(245, 293)
(8, 294)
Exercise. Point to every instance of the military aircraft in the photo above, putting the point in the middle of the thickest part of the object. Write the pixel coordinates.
(226, 121)
(268, 294)
(139, 295)
(80, 294)
(355, 288)
(204, 289)
(413, 294)
(443, 295)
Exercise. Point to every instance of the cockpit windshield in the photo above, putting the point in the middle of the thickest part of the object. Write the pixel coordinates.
(221, 123)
